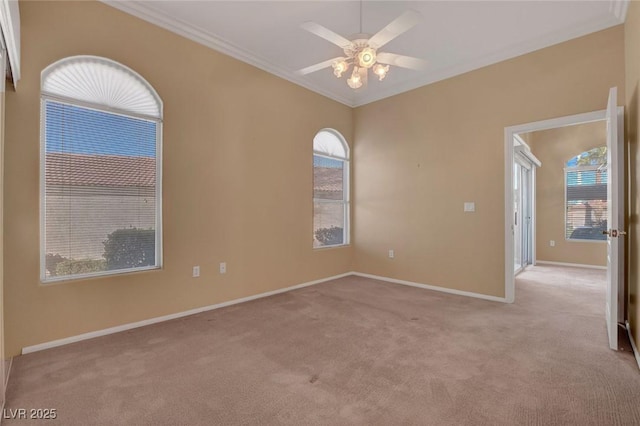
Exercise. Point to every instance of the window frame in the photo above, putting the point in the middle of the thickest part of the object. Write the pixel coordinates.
(346, 186)
(567, 170)
(48, 97)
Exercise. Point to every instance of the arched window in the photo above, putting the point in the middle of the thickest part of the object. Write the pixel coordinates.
(100, 165)
(586, 195)
(330, 189)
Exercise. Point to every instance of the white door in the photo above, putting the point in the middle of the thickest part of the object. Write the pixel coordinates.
(615, 247)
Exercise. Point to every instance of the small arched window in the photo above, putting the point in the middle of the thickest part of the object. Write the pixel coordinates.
(330, 189)
(586, 195)
(100, 170)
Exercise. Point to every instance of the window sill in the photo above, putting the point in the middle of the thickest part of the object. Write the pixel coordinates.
(574, 240)
(331, 247)
(66, 279)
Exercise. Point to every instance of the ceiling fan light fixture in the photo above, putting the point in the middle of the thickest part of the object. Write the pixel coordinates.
(381, 71)
(355, 81)
(367, 57)
(339, 67)
(361, 53)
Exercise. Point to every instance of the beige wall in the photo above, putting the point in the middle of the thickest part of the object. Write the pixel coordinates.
(554, 148)
(237, 178)
(238, 171)
(632, 120)
(420, 155)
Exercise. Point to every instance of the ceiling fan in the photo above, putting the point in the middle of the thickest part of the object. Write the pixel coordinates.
(363, 50)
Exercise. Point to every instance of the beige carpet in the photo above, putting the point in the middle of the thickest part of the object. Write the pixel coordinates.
(352, 351)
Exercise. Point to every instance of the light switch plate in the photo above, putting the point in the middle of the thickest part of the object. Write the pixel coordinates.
(469, 206)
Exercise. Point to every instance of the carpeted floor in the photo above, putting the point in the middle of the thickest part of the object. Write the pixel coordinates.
(352, 351)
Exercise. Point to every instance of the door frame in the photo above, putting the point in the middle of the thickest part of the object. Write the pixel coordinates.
(509, 133)
(532, 166)
(528, 163)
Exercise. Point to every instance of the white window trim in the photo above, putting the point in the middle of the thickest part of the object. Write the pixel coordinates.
(345, 202)
(158, 189)
(346, 190)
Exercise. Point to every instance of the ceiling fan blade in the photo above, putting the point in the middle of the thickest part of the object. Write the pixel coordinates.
(318, 66)
(326, 34)
(401, 61)
(402, 23)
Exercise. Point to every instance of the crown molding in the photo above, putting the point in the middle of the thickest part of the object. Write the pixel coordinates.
(510, 52)
(618, 9)
(219, 44)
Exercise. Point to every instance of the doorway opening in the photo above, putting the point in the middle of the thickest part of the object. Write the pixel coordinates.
(613, 117)
(511, 150)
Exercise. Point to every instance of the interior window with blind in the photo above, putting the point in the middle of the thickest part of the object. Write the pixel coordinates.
(100, 161)
(586, 196)
(330, 189)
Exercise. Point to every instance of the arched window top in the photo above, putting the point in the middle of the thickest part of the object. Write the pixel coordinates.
(101, 82)
(593, 157)
(330, 142)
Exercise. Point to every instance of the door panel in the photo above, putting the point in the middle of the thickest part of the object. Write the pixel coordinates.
(615, 253)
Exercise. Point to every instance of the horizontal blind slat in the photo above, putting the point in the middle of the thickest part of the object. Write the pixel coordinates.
(100, 190)
(586, 204)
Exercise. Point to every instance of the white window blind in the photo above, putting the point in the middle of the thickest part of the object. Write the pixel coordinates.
(100, 185)
(103, 82)
(327, 142)
(586, 196)
(330, 189)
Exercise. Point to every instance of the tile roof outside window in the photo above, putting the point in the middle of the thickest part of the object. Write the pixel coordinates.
(100, 170)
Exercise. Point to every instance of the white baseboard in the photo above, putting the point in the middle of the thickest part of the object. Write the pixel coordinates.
(6, 382)
(7, 374)
(433, 287)
(573, 265)
(633, 343)
(129, 326)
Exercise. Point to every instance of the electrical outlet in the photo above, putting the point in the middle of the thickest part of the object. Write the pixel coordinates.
(196, 271)
(223, 267)
(552, 243)
(391, 254)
